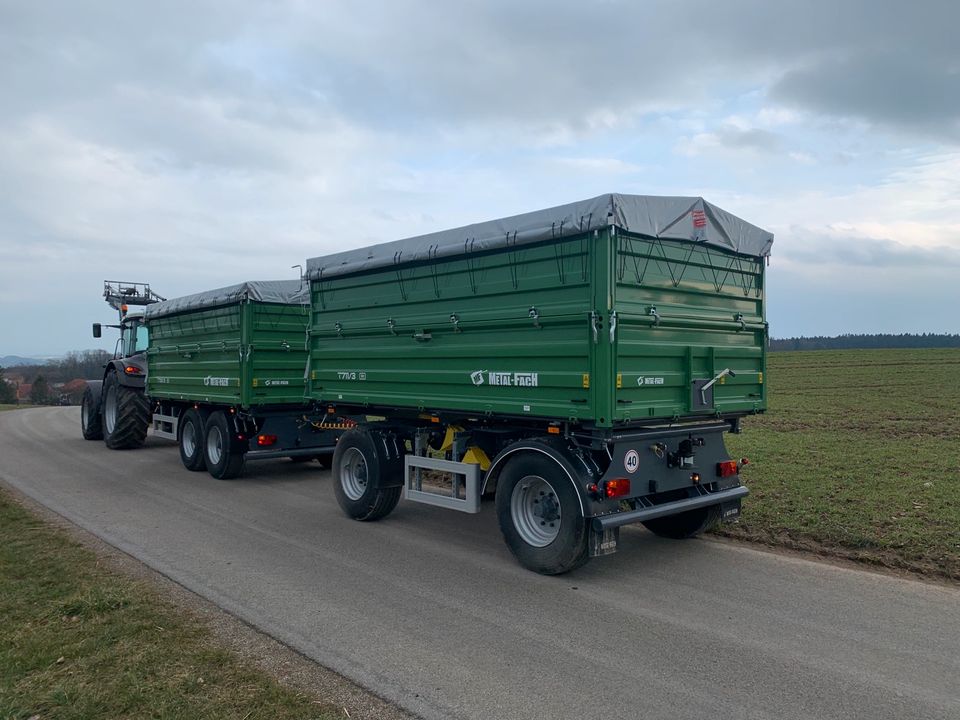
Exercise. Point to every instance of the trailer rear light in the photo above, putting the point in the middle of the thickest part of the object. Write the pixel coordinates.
(132, 370)
(553, 430)
(266, 440)
(727, 468)
(695, 478)
(616, 488)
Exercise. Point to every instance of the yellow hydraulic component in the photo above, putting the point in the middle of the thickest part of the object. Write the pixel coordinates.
(476, 456)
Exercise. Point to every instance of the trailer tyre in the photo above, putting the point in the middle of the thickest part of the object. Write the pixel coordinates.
(91, 423)
(540, 518)
(685, 525)
(190, 438)
(126, 415)
(221, 451)
(360, 471)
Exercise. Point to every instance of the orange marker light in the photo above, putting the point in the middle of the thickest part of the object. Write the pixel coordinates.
(727, 468)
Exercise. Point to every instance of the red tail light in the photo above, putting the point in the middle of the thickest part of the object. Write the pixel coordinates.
(132, 370)
(616, 488)
(266, 440)
(727, 468)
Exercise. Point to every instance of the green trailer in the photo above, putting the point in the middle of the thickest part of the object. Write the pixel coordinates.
(225, 374)
(581, 363)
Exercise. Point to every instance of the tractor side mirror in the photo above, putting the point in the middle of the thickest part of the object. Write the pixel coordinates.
(97, 332)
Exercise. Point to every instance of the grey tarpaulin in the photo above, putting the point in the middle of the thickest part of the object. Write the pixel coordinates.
(668, 218)
(286, 292)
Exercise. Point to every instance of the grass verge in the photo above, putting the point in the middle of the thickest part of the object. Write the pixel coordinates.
(78, 641)
(858, 456)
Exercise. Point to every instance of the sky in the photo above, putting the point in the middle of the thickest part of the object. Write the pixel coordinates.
(193, 145)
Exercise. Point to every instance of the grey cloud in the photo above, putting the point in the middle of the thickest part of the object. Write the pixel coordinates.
(421, 66)
(748, 139)
(909, 92)
(814, 249)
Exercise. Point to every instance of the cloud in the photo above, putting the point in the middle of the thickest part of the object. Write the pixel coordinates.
(905, 91)
(193, 145)
(812, 249)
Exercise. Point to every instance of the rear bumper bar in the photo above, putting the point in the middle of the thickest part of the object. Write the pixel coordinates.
(608, 522)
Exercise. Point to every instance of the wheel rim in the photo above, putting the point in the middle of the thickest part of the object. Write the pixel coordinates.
(535, 511)
(110, 409)
(214, 445)
(353, 474)
(189, 439)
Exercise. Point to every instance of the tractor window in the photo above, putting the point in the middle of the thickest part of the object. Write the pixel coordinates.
(142, 339)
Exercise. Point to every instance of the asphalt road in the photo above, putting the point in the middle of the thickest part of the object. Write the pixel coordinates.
(428, 609)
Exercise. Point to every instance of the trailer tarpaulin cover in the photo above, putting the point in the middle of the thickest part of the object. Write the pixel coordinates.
(669, 218)
(286, 292)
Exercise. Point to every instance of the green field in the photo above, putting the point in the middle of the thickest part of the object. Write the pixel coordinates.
(858, 456)
(78, 642)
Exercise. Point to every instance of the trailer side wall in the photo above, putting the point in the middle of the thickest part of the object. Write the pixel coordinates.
(244, 354)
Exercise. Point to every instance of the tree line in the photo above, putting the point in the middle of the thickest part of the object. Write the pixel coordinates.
(867, 342)
(56, 381)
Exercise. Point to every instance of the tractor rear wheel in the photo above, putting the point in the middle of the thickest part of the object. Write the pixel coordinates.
(126, 415)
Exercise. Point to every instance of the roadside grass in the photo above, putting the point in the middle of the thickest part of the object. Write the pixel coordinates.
(858, 456)
(79, 641)
(8, 406)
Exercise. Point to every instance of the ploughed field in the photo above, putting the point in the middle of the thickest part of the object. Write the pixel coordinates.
(858, 455)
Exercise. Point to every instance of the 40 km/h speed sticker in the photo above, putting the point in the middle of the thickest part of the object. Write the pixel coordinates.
(631, 461)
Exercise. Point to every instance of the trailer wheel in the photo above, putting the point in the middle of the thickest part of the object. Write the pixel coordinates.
(91, 423)
(540, 517)
(221, 452)
(686, 524)
(190, 438)
(126, 415)
(360, 471)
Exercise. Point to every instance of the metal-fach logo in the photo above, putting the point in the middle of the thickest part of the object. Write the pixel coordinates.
(211, 381)
(505, 379)
(649, 380)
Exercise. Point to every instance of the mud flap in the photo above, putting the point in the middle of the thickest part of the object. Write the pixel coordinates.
(603, 542)
(730, 511)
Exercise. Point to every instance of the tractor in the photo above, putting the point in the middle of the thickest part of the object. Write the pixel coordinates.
(115, 408)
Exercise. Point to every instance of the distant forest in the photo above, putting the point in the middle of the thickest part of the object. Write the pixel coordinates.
(865, 342)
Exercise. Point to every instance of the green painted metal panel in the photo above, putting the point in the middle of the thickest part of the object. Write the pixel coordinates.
(529, 331)
(504, 333)
(686, 312)
(244, 354)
